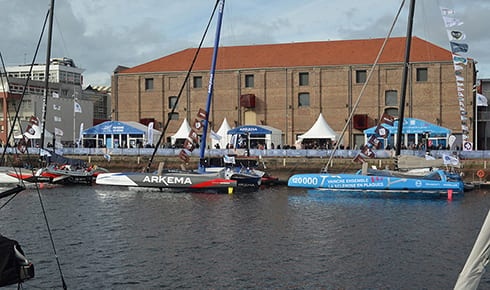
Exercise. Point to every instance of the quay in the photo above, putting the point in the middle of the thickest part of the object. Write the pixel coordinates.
(281, 163)
(279, 166)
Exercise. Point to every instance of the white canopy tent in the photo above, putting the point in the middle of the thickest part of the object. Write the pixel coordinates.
(319, 130)
(223, 133)
(182, 133)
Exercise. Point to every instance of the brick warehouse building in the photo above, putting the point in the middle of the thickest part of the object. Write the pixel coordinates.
(287, 86)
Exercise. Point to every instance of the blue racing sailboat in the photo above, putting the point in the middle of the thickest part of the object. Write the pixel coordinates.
(436, 183)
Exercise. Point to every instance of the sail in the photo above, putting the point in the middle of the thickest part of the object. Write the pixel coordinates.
(470, 276)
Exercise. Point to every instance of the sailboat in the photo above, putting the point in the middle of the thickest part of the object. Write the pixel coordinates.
(186, 180)
(436, 183)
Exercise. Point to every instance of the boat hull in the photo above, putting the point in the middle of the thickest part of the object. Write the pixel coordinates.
(370, 182)
(177, 180)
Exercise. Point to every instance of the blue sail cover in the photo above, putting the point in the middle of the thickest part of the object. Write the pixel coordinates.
(413, 126)
(253, 130)
(113, 127)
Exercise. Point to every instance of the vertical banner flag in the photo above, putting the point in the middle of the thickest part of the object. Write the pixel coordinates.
(150, 134)
(455, 37)
(80, 136)
(78, 108)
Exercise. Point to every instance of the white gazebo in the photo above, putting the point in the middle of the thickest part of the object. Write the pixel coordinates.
(223, 134)
(319, 131)
(182, 133)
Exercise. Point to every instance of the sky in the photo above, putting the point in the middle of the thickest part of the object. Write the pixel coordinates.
(100, 35)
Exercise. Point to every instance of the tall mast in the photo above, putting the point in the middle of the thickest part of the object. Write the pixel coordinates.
(210, 86)
(408, 43)
(46, 73)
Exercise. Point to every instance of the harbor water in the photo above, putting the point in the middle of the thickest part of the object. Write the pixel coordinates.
(275, 238)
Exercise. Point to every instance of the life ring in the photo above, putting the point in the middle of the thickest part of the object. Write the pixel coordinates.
(480, 173)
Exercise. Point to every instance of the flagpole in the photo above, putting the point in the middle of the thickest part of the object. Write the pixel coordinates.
(74, 117)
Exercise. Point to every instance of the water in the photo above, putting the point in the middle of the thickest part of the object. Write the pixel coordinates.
(115, 238)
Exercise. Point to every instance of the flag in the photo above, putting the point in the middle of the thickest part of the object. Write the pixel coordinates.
(368, 152)
(55, 95)
(229, 159)
(77, 107)
(215, 135)
(359, 159)
(150, 134)
(481, 100)
(43, 152)
(459, 59)
(446, 11)
(34, 120)
(374, 141)
(458, 68)
(194, 137)
(184, 156)
(233, 140)
(455, 35)
(107, 157)
(450, 160)
(387, 119)
(202, 114)
(58, 132)
(189, 145)
(458, 47)
(451, 21)
(382, 131)
(80, 136)
(197, 124)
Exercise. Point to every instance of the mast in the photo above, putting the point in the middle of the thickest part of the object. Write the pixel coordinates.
(408, 43)
(201, 167)
(46, 73)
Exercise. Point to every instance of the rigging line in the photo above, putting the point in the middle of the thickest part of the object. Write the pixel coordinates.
(147, 169)
(50, 234)
(27, 150)
(17, 110)
(361, 93)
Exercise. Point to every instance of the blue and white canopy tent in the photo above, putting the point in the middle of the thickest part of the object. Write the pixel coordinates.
(116, 134)
(258, 135)
(414, 132)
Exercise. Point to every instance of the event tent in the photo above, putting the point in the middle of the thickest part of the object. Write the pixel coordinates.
(413, 131)
(116, 134)
(182, 133)
(223, 134)
(319, 130)
(259, 134)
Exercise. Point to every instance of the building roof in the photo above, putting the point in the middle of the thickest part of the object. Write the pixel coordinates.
(304, 54)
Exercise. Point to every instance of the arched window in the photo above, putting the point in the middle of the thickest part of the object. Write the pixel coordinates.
(392, 112)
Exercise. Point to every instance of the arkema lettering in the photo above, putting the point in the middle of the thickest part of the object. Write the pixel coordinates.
(168, 179)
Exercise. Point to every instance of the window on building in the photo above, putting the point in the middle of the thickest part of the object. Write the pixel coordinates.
(391, 98)
(303, 79)
(173, 116)
(422, 74)
(392, 112)
(172, 101)
(361, 76)
(249, 81)
(197, 82)
(149, 84)
(303, 99)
